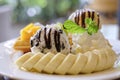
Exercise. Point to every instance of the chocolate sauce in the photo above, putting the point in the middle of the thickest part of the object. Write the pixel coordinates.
(57, 41)
(37, 43)
(88, 14)
(59, 46)
(93, 14)
(83, 19)
(31, 42)
(98, 20)
(39, 35)
(78, 18)
(49, 39)
(63, 46)
(75, 19)
(45, 37)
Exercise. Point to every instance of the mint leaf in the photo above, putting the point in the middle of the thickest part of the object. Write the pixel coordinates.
(92, 29)
(88, 20)
(91, 26)
(72, 27)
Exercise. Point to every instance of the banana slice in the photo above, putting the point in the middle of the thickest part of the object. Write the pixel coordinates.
(54, 63)
(78, 64)
(66, 64)
(102, 60)
(32, 61)
(20, 61)
(113, 54)
(91, 63)
(110, 56)
(39, 66)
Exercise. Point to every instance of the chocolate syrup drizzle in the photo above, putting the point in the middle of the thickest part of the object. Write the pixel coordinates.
(78, 17)
(83, 19)
(47, 38)
(82, 14)
(37, 39)
(31, 43)
(98, 20)
(57, 41)
(93, 15)
(39, 35)
(89, 14)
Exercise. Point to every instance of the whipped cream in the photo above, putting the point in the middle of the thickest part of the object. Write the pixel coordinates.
(86, 42)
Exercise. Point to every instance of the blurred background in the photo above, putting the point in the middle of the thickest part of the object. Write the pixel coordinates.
(16, 14)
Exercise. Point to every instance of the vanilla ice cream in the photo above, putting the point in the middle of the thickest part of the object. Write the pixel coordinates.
(50, 39)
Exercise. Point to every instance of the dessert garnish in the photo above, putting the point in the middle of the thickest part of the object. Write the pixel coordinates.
(71, 27)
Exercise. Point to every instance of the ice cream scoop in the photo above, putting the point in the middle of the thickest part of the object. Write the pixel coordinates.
(50, 39)
(79, 17)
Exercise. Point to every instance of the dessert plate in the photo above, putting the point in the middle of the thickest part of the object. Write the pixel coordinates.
(8, 68)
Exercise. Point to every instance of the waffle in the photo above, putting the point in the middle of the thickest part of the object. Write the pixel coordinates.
(22, 45)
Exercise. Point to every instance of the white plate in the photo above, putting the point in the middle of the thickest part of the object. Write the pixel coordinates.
(9, 69)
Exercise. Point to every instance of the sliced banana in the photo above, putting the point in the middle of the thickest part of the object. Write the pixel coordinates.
(91, 63)
(102, 61)
(78, 64)
(54, 63)
(20, 61)
(111, 56)
(64, 67)
(32, 61)
(39, 66)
